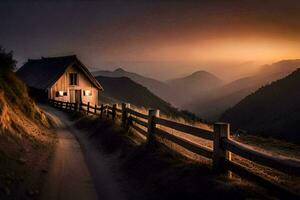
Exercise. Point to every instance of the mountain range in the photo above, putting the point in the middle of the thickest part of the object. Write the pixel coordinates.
(159, 88)
(205, 94)
(178, 91)
(212, 104)
(273, 110)
(123, 89)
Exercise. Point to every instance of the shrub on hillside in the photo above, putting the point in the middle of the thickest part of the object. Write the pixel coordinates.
(7, 63)
(14, 91)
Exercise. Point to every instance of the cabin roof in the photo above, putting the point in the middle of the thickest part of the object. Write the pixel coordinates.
(43, 73)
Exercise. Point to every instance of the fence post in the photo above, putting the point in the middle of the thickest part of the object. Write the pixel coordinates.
(220, 155)
(151, 124)
(88, 108)
(114, 108)
(107, 110)
(101, 111)
(124, 113)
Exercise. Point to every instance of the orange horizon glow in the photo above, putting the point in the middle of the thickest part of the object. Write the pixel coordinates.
(160, 39)
(232, 49)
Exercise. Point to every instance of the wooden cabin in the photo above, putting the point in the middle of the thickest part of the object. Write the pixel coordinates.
(60, 78)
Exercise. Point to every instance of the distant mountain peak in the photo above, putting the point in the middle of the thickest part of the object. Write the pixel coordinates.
(159, 88)
(288, 61)
(284, 67)
(120, 69)
(202, 73)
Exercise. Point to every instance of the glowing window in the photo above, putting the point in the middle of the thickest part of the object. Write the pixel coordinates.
(87, 93)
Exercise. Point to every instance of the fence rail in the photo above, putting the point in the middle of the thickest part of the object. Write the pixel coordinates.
(222, 144)
(205, 134)
(195, 148)
(137, 114)
(140, 122)
(288, 166)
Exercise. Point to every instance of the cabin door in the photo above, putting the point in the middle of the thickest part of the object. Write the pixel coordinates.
(78, 96)
(75, 96)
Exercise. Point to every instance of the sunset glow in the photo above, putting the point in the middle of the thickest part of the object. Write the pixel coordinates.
(163, 36)
(231, 49)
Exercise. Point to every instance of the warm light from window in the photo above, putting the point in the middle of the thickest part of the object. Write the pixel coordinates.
(61, 93)
(87, 93)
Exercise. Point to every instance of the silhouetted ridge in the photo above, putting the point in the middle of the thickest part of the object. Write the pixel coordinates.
(212, 104)
(273, 110)
(158, 88)
(119, 70)
(123, 89)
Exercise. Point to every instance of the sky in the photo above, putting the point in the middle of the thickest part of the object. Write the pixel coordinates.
(161, 39)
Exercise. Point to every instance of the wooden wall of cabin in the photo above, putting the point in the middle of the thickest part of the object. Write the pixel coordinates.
(62, 84)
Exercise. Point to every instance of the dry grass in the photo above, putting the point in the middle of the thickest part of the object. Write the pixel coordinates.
(154, 171)
(15, 123)
(26, 143)
(271, 147)
(267, 145)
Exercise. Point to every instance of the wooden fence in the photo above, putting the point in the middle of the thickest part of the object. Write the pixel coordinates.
(220, 154)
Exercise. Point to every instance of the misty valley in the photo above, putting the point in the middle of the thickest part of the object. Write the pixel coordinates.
(209, 98)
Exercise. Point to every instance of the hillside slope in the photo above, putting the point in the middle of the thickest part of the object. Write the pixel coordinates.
(272, 110)
(123, 89)
(25, 141)
(159, 88)
(212, 104)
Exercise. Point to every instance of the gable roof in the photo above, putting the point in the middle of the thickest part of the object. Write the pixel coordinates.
(43, 73)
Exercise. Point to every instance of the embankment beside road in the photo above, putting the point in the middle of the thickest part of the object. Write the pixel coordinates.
(26, 141)
(155, 172)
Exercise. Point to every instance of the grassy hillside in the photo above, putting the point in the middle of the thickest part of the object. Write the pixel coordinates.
(123, 89)
(158, 88)
(25, 142)
(154, 171)
(273, 110)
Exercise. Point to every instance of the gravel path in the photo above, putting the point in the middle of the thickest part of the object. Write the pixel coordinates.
(78, 170)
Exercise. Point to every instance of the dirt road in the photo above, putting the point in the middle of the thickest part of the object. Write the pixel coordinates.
(78, 170)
